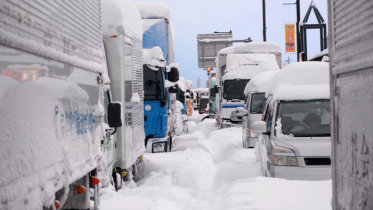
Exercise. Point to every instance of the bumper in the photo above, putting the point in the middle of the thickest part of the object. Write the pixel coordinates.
(314, 173)
(155, 144)
(251, 141)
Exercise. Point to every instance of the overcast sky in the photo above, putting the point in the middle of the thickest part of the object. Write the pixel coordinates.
(243, 17)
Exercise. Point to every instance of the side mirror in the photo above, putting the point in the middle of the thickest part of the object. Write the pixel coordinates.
(187, 97)
(174, 89)
(242, 111)
(258, 127)
(114, 114)
(216, 89)
(173, 75)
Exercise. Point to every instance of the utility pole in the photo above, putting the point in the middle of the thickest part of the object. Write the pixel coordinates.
(198, 83)
(264, 22)
(298, 32)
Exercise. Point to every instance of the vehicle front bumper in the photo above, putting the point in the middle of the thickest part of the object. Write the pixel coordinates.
(313, 173)
(150, 147)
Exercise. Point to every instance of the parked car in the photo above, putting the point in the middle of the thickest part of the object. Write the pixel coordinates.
(294, 134)
(254, 105)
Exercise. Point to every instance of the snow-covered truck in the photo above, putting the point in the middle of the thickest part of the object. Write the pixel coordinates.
(51, 104)
(235, 66)
(351, 73)
(158, 34)
(122, 39)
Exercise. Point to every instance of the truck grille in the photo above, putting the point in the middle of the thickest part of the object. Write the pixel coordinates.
(317, 161)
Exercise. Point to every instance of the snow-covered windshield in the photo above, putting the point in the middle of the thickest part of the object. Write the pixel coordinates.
(233, 89)
(212, 94)
(153, 84)
(257, 103)
(203, 102)
(304, 118)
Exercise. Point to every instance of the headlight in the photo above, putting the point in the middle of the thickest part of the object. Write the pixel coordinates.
(159, 147)
(282, 156)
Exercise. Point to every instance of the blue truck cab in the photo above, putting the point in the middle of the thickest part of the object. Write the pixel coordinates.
(157, 37)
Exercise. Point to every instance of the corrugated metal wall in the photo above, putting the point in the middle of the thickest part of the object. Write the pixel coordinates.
(351, 51)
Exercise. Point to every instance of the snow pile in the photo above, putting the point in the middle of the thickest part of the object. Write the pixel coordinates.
(260, 82)
(246, 66)
(179, 105)
(172, 65)
(153, 10)
(252, 47)
(227, 142)
(154, 58)
(117, 13)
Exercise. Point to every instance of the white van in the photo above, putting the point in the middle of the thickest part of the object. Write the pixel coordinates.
(255, 99)
(294, 133)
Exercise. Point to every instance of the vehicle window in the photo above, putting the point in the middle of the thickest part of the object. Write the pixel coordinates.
(153, 84)
(304, 118)
(233, 89)
(268, 117)
(257, 103)
(212, 93)
(203, 102)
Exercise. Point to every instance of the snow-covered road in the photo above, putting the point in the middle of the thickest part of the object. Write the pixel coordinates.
(209, 169)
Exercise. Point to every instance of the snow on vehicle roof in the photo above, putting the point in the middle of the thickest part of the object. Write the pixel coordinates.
(307, 78)
(246, 66)
(153, 10)
(322, 53)
(189, 82)
(154, 58)
(182, 84)
(121, 13)
(201, 90)
(147, 24)
(302, 92)
(252, 47)
(172, 65)
(260, 82)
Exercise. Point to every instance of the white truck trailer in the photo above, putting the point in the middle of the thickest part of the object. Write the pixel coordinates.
(122, 38)
(351, 72)
(235, 66)
(51, 103)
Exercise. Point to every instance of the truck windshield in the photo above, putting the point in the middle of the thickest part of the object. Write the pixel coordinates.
(203, 102)
(180, 96)
(233, 89)
(212, 94)
(257, 103)
(153, 84)
(304, 118)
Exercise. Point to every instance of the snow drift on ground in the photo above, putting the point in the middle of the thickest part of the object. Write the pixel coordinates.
(209, 170)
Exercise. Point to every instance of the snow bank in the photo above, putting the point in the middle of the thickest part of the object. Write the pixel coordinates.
(154, 58)
(260, 82)
(116, 13)
(252, 47)
(246, 66)
(152, 10)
